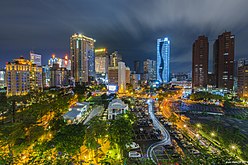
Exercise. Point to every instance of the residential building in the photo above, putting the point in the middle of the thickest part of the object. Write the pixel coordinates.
(150, 69)
(35, 58)
(243, 81)
(224, 61)
(115, 108)
(22, 76)
(135, 80)
(113, 75)
(82, 57)
(59, 76)
(200, 53)
(128, 72)
(163, 60)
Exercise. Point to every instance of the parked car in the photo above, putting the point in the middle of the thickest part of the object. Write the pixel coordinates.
(133, 145)
(134, 154)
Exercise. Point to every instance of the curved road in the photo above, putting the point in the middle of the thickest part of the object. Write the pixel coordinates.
(166, 136)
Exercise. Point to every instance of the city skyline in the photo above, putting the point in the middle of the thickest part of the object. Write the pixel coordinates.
(134, 37)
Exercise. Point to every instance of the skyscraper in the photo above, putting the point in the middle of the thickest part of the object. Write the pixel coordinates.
(115, 57)
(22, 76)
(163, 60)
(35, 58)
(122, 77)
(150, 69)
(137, 66)
(224, 61)
(243, 81)
(101, 61)
(200, 62)
(82, 57)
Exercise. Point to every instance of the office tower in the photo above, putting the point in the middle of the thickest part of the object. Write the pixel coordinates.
(82, 53)
(115, 57)
(128, 72)
(35, 58)
(163, 60)
(22, 76)
(59, 76)
(224, 61)
(113, 75)
(181, 76)
(243, 81)
(2, 78)
(137, 67)
(121, 77)
(200, 62)
(150, 69)
(101, 61)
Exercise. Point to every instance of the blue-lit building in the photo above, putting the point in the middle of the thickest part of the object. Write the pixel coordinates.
(163, 60)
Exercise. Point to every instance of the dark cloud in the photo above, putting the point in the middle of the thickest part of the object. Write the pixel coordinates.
(130, 26)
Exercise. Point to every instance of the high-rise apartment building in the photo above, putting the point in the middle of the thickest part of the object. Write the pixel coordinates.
(137, 66)
(59, 76)
(2, 78)
(22, 76)
(150, 69)
(128, 73)
(163, 60)
(224, 61)
(121, 77)
(200, 53)
(115, 57)
(82, 57)
(101, 61)
(35, 58)
(243, 81)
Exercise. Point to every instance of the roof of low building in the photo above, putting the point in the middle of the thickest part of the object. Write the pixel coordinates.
(117, 104)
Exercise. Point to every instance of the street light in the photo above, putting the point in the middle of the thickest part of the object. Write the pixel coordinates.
(198, 125)
(184, 125)
(213, 134)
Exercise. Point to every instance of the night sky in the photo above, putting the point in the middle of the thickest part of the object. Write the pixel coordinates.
(129, 26)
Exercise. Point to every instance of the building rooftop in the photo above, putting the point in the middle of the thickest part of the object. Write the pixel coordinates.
(117, 104)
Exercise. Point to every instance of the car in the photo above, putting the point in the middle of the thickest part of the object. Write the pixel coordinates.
(133, 145)
(134, 154)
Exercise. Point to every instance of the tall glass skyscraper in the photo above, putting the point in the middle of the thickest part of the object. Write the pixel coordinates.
(163, 60)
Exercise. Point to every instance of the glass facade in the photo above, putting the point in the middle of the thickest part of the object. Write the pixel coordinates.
(163, 60)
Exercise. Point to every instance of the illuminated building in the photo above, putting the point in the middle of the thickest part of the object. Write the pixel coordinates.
(82, 57)
(128, 72)
(36, 78)
(121, 77)
(35, 58)
(46, 75)
(243, 81)
(135, 79)
(115, 108)
(224, 61)
(59, 76)
(2, 78)
(101, 61)
(150, 69)
(115, 57)
(113, 75)
(66, 63)
(200, 62)
(22, 76)
(163, 60)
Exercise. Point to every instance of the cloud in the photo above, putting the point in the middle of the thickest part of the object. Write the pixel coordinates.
(131, 26)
